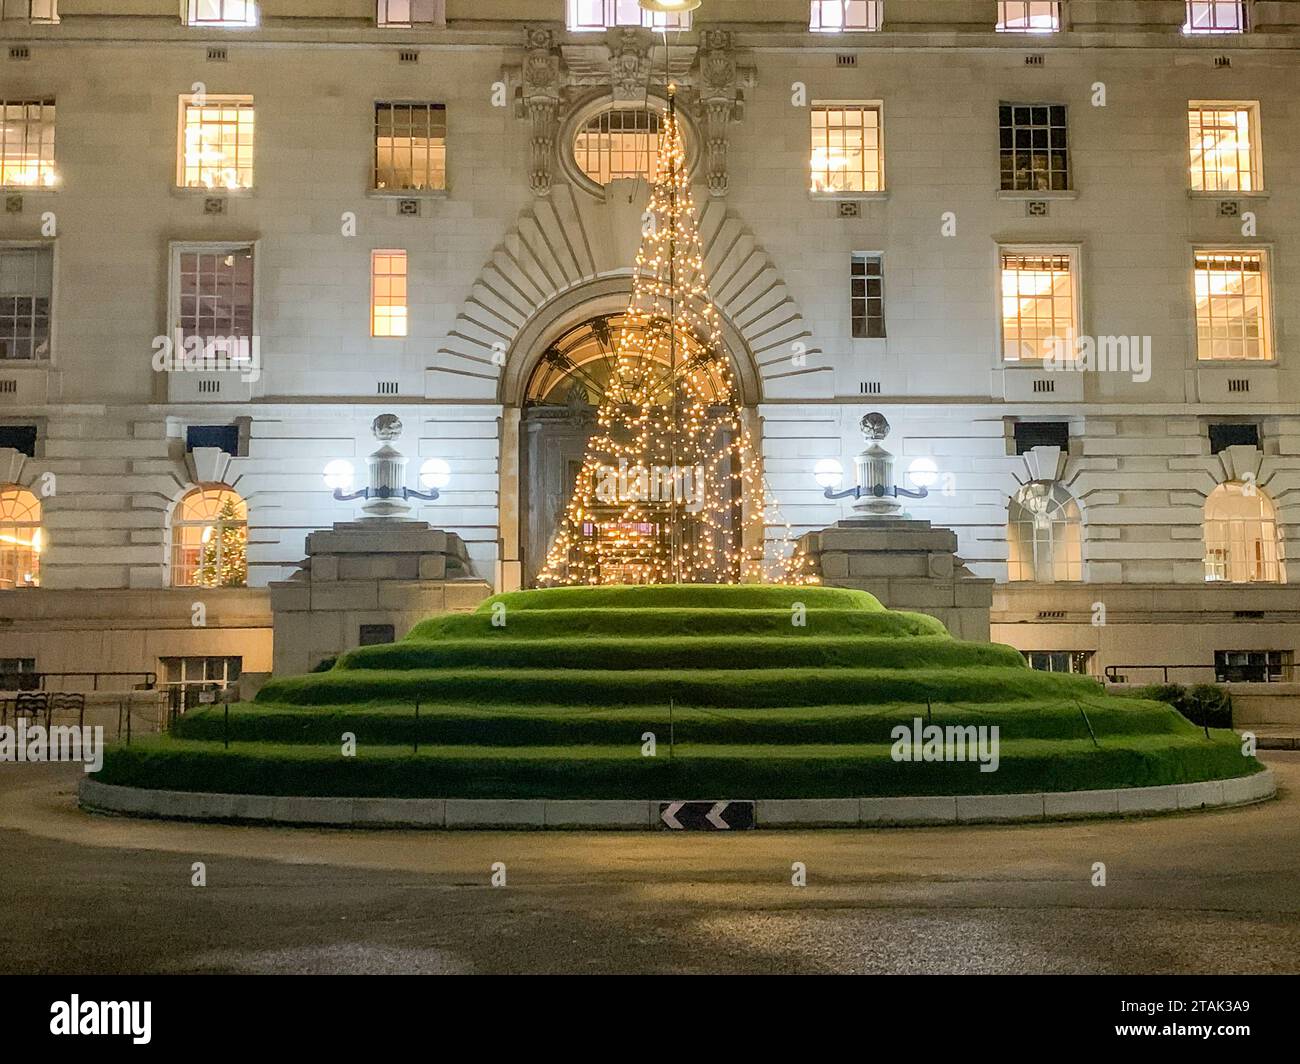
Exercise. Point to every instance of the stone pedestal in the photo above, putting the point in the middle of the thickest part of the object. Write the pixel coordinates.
(362, 578)
(907, 565)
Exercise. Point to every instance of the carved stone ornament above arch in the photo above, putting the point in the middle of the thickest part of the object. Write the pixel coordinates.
(569, 256)
(555, 77)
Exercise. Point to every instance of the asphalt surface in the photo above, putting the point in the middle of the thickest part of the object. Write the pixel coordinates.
(1214, 892)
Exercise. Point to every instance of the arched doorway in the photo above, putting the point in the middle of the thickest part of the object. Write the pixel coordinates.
(563, 395)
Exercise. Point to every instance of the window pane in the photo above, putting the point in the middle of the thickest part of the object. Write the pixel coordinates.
(411, 147)
(26, 286)
(1223, 156)
(1034, 148)
(1028, 16)
(618, 145)
(1037, 304)
(27, 144)
(600, 14)
(388, 313)
(1231, 313)
(867, 297)
(217, 143)
(834, 16)
(21, 539)
(847, 148)
(1215, 16)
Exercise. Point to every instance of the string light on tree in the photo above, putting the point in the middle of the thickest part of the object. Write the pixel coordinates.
(670, 489)
(223, 555)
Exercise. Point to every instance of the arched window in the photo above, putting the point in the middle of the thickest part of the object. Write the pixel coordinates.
(1044, 534)
(618, 144)
(21, 538)
(1242, 544)
(210, 539)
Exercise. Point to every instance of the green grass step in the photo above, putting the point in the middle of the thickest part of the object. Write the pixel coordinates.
(658, 652)
(695, 771)
(715, 687)
(696, 596)
(565, 725)
(576, 623)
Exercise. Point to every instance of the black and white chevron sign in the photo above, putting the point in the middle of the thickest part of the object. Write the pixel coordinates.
(707, 816)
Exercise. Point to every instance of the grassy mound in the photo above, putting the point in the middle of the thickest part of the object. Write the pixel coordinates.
(766, 692)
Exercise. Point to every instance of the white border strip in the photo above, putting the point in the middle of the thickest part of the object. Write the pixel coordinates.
(540, 814)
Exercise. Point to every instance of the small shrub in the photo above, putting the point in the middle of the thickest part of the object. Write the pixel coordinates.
(1204, 704)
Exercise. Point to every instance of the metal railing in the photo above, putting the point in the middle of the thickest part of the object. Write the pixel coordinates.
(1201, 673)
(41, 681)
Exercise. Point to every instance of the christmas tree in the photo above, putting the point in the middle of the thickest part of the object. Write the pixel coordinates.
(223, 557)
(670, 489)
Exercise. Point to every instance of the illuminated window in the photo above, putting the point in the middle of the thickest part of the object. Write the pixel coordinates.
(1039, 302)
(26, 289)
(388, 293)
(21, 538)
(1034, 149)
(27, 144)
(410, 13)
(1077, 662)
(835, 16)
(222, 13)
(1028, 16)
(1215, 16)
(410, 147)
(1232, 306)
(1044, 534)
(1242, 542)
(848, 149)
(619, 144)
(1225, 147)
(868, 296)
(210, 539)
(30, 10)
(201, 672)
(213, 291)
(216, 142)
(602, 14)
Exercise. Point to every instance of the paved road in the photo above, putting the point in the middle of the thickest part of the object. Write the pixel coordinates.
(1210, 892)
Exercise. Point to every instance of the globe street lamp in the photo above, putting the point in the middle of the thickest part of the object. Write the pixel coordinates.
(386, 495)
(875, 490)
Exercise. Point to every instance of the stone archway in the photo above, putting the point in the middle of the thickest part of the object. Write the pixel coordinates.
(569, 259)
(569, 256)
(565, 389)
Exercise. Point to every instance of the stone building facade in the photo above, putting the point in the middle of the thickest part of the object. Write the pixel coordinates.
(1001, 186)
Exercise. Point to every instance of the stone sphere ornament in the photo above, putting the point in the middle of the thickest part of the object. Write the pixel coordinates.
(875, 427)
(386, 427)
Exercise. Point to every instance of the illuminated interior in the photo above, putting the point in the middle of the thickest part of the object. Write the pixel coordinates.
(222, 13)
(847, 149)
(838, 16)
(27, 144)
(1242, 544)
(580, 365)
(587, 15)
(388, 313)
(1028, 16)
(1231, 306)
(217, 138)
(410, 146)
(209, 539)
(1215, 16)
(21, 539)
(1038, 304)
(1044, 534)
(619, 144)
(1222, 144)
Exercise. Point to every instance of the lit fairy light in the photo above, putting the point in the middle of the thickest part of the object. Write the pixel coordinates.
(671, 487)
